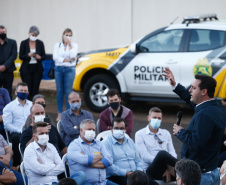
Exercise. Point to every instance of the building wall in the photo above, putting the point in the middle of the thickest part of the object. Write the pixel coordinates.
(98, 24)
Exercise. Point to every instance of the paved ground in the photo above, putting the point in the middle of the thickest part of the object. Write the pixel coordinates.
(140, 110)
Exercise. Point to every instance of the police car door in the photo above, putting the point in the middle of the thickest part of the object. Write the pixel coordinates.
(143, 73)
(203, 55)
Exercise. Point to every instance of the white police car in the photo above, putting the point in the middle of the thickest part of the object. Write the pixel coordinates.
(197, 46)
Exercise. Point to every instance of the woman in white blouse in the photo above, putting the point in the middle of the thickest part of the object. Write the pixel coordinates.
(64, 55)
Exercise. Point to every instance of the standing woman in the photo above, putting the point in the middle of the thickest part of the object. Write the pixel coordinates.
(32, 52)
(64, 55)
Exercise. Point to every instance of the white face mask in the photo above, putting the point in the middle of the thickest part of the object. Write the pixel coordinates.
(68, 37)
(43, 139)
(118, 134)
(155, 123)
(33, 38)
(89, 135)
(39, 118)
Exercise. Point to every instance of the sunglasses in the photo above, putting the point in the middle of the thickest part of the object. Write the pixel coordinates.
(158, 139)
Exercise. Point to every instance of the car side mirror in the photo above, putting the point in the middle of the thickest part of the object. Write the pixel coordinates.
(133, 48)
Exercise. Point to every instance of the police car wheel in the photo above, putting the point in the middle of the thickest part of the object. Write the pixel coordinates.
(95, 91)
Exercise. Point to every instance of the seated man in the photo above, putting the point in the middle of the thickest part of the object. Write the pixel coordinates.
(115, 110)
(152, 139)
(38, 114)
(7, 176)
(41, 160)
(71, 118)
(89, 155)
(188, 172)
(14, 116)
(126, 159)
(37, 99)
(138, 178)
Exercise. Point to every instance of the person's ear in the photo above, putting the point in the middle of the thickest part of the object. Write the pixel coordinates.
(204, 92)
(148, 118)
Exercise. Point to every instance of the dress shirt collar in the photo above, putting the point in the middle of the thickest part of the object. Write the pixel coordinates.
(203, 102)
(18, 103)
(148, 131)
(72, 113)
(82, 141)
(114, 141)
(37, 147)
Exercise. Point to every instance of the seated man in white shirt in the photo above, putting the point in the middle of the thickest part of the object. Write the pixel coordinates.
(42, 161)
(156, 149)
(14, 116)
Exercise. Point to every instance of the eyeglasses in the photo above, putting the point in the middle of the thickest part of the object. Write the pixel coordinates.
(158, 139)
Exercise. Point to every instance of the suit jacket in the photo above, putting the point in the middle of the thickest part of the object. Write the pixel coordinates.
(10, 52)
(25, 49)
(203, 137)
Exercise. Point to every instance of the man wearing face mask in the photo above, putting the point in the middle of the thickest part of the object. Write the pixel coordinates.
(115, 110)
(14, 116)
(42, 161)
(8, 54)
(155, 146)
(89, 155)
(38, 114)
(38, 99)
(125, 156)
(71, 118)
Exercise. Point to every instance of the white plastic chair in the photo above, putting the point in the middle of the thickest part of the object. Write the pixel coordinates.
(7, 137)
(22, 128)
(22, 169)
(103, 135)
(98, 126)
(64, 159)
(22, 157)
(59, 127)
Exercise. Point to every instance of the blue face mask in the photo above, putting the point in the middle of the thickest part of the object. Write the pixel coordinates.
(22, 96)
(75, 106)
(155, 123)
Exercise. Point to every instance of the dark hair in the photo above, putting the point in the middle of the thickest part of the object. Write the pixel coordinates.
(21, 84)
(207, 82)
(67, 30)
(118, 120)
(113, 92)
(37, 96)
(67, 181)
(189, 171)
(38, 124)
(137, 178)
(155, 109)
(2, 27)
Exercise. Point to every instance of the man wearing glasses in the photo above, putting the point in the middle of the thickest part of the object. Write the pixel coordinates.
(156, 148)
(126, 159)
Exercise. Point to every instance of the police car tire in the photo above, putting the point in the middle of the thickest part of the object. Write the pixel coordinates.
(100, 78)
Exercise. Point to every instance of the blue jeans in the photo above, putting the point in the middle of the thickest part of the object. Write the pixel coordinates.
(210, 178)
(64, 77)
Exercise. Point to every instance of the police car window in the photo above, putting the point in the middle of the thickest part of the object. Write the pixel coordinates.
(201, 40)
(163, 42)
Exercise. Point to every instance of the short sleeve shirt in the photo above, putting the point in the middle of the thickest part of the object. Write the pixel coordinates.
(3, 143)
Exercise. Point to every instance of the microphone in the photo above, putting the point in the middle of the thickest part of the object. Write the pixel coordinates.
(179, 116)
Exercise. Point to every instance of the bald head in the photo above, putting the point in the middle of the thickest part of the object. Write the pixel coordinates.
(73, 94)
(37, 107)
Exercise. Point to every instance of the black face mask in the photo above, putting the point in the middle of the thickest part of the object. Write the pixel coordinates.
(44, 105)
(3, 36)
(114, 105)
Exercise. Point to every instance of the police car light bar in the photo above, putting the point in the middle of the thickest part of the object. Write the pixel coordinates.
(199, 18)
